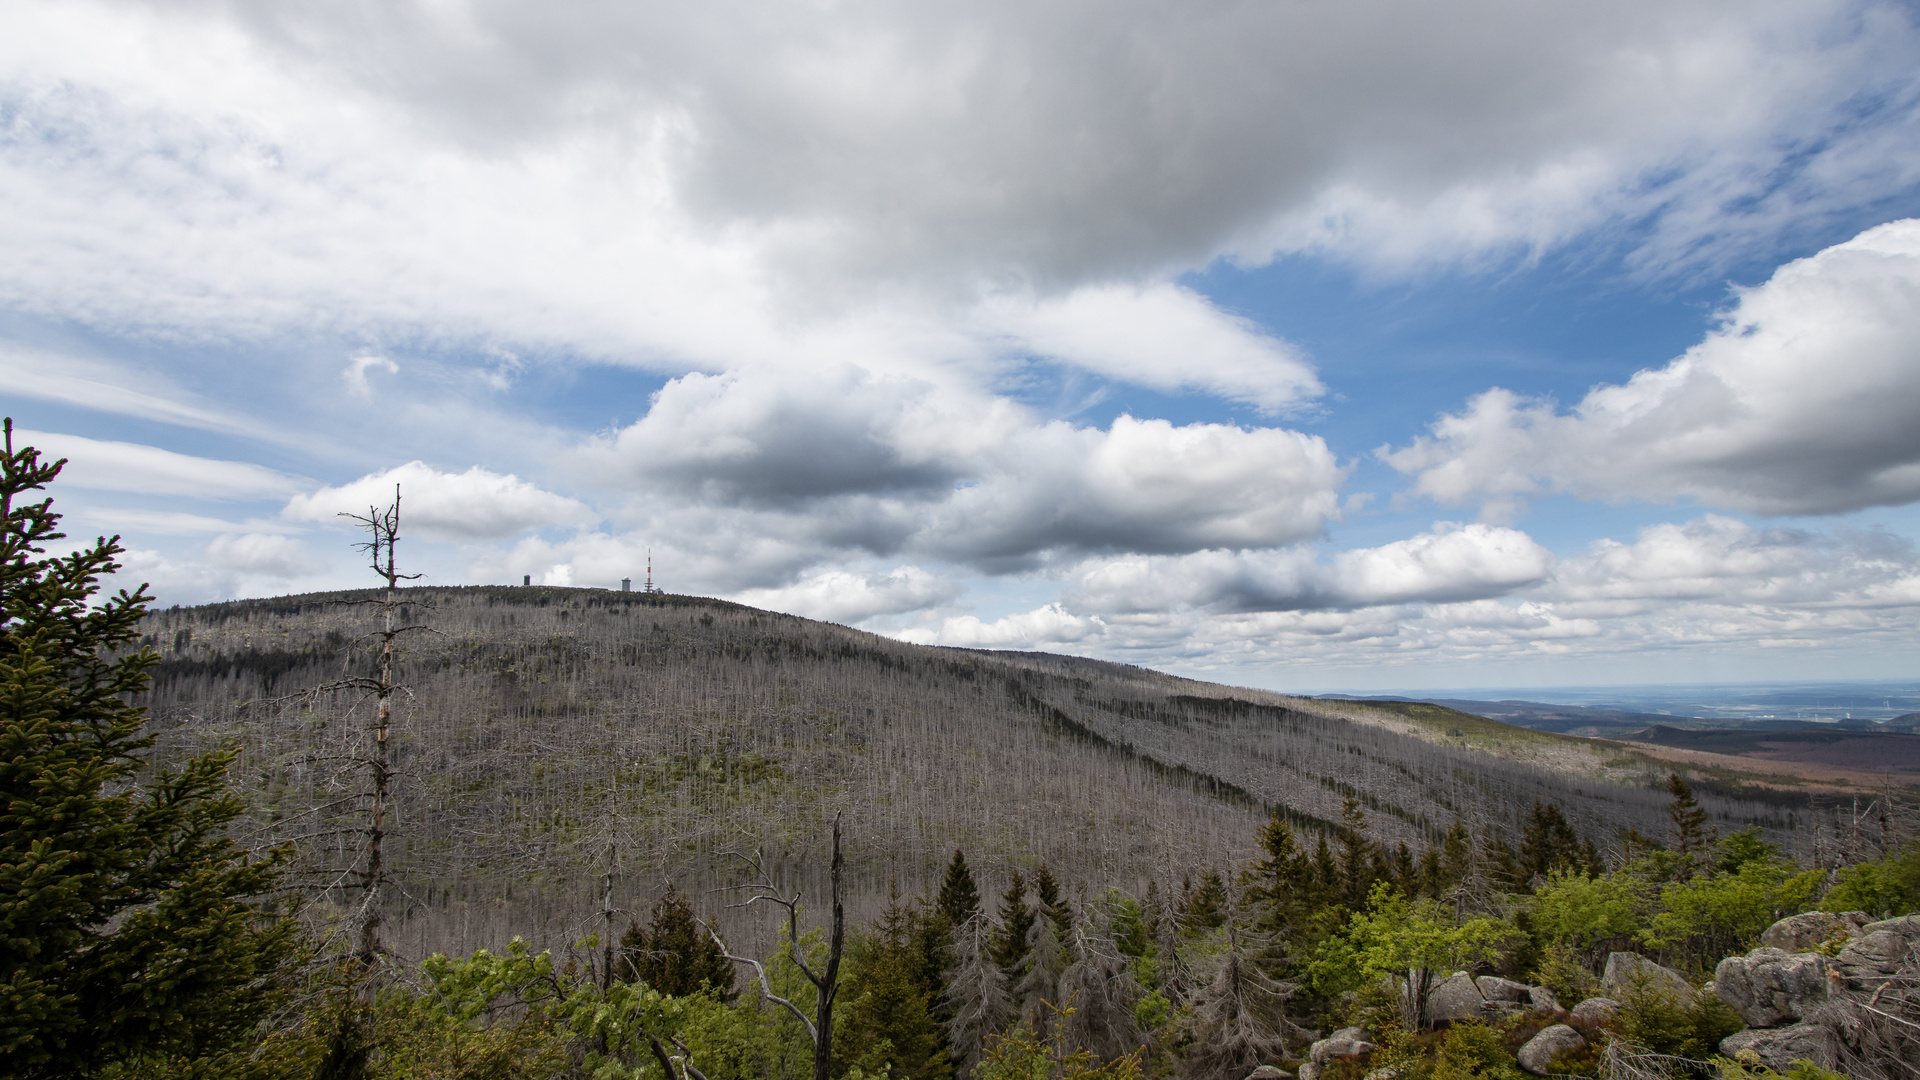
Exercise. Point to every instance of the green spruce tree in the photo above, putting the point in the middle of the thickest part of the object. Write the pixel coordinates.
(675, 955)
(1692, 839)
(1016, 923)
(959, 896)
(1046, 891)
(130, 925)
(1358, 855)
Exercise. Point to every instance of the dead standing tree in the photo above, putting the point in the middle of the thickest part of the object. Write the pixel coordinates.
(383, 530)
(826, 983)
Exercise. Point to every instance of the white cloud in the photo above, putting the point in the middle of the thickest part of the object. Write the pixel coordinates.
(91, 383)
(263, 555)
(1050, 626)
(840, 596)
(729, 184)
(1165, 337)
(1449, 564)
(886, 465)
(1806, 400)
(1484, 596)
(355, 373)
(149, 470)
(1139, 485)
(473, 505)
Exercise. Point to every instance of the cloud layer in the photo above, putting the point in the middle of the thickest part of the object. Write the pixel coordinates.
(1806, 400)
(1483, 596)
(696, 187)
(473, 505)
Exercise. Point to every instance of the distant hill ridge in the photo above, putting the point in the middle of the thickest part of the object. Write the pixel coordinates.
(553, 736)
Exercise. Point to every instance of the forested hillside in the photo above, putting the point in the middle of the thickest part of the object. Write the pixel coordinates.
(555, 744)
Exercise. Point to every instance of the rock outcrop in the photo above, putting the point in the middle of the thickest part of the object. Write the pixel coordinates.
(1537, 1055)
(1782, 1046)
(1269, 1072)
(1626, 972)
(1782, 988)
(1505, 991)
(1801, 933)
(1878, 949)
(1595, 1009)
(1463, 997)
(1456, 999)
(1769, 987)
(1347, 1042)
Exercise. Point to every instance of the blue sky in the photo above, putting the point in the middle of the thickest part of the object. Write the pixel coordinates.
(1360, 345)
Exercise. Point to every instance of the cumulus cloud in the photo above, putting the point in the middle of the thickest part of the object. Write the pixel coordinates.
(1139, 485)
(1806, 400)
(844, 597)
(1449, 564)
(891, 465)
(473, 505)
(263, 555)
(149, 470)
(781, 438)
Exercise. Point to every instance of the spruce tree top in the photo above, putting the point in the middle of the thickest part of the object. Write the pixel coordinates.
(959, 896)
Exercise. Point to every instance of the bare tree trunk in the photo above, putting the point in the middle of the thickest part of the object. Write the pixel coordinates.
(383, 527)
(826, 986)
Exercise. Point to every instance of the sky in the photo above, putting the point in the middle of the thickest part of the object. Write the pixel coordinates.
(1372, 344)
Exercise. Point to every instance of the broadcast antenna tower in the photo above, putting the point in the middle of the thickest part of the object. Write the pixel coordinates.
(648, 587)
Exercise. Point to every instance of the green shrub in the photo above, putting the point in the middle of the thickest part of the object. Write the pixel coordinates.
(1563, 970)
(1884, 889)
(1688, 1026)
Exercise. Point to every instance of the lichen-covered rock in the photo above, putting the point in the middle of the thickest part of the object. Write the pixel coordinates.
(1800, 933)
(1269, 1072)
(1782, 1046)
(1626, 972)
(1537, 1055)
(1347, 1042)
(1595, 1009)
(1769, 987)
(1879, 948)
(1385, 1074)
(1504, 991)
(1456, 999)
(1539, 997)
(1309, 1071)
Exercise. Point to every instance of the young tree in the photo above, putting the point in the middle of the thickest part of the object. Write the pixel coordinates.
(674, 955)
(1413, 939)
(1046, 893)
(1691, 836)
(1548, 843)
(1206, 906)
(1280, 886)
(128, 923)
(1358, 853)
(1016, 923)
(959, 896)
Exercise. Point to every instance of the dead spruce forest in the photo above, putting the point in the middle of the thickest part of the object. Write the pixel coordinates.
(562, 751)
